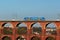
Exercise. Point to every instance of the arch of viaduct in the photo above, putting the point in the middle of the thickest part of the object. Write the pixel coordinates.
(29, 34)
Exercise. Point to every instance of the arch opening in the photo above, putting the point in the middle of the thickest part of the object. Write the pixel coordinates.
(36, 28)
(35, 38)
(20, 38)
(6, 38)
(51, 29)
(50, 38)
(7, 25)
(21, 28)
(7, 28)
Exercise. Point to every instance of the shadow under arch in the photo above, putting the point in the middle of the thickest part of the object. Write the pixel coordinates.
(50, 38)
(3, 24)
(36, 28)
(20, 38)
(18, 24)
(47, 24)
(33, 24)
(6, 38)
(50, 23)
(51, 28)
(21, 28)
(35, 38)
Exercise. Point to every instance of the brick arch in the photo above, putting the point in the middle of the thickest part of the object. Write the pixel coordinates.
(7, 29)
(20, 23)
(50, 38)
(4, 38)
(36, 29)
(34, 23)
(23, 29)
(3, 24)
(50, 23)
(54, 32)
(21, 38)
(7, 23)
(35, 38)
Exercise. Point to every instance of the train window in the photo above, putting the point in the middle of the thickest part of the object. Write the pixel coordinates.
(7, 28)
(51, 29)
(21, 28)
(6, 38)
(36, 28)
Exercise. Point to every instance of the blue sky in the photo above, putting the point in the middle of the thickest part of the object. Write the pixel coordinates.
(50, 9)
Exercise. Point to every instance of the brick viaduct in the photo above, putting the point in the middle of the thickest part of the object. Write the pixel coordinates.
(29, 34)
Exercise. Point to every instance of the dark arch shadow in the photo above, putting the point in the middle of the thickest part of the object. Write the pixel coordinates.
(3, 24)
(33, 24)
(6, 38)
(50, 38)
(18, 24)
(35, 38)
(47, 24)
